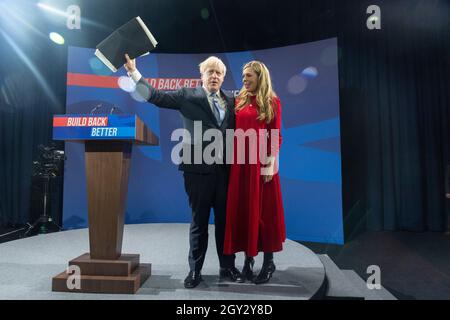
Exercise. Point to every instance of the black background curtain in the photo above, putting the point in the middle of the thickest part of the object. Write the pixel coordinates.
(32, 89)
(395, 81)
(394, 98)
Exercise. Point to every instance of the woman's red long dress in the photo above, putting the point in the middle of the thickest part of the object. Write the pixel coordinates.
(255, 215)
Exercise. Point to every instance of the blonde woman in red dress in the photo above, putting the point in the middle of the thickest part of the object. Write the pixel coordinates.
(255, 216)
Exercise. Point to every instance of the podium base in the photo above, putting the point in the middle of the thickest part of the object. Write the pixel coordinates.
(124, 275)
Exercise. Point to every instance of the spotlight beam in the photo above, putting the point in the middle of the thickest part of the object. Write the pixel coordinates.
(13, 15)
(66, 15)
(52, 10)
(30, 65)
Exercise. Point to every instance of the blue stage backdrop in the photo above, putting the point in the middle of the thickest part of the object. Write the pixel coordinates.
(305, 77)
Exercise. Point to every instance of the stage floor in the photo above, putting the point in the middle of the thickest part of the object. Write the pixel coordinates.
(28, 265)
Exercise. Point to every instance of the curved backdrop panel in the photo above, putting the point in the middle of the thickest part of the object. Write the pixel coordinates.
(305, 77)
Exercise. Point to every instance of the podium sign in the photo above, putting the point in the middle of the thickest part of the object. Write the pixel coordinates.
(102, 127)
(108, 143)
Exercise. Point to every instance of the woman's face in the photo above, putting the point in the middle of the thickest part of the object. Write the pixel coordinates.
(250, 80)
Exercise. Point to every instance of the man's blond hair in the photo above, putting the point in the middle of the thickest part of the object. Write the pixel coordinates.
(213, 62)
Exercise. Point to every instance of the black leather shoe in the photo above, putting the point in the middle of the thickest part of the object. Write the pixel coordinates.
(266, 273)
(247, 270)
(231, 273)
(193, 279)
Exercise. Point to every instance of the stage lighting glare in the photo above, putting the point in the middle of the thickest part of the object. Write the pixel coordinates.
(98, 67)
(5, 95)
(204, 13)
(141, 94)
(126, 84)
(310, 72)
(52, 10)
(34, 70)
(297, 84)
(17, 21)
(56, 38)
(95, 64)
(67, 15)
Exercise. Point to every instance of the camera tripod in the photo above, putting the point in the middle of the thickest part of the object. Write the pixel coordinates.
(45, 222)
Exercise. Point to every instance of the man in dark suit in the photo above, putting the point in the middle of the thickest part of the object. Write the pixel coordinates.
(206, 184)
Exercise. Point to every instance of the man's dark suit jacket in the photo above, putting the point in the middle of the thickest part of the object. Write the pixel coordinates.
(194, 106)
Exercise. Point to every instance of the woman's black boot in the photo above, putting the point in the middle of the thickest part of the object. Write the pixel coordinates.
(247, 270)
(268, 268)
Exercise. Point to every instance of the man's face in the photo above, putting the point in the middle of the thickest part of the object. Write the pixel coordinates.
(212, 79)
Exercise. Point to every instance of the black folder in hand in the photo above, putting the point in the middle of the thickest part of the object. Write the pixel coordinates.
(133, 38)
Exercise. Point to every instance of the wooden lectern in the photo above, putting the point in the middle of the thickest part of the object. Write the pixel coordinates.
(108, 143)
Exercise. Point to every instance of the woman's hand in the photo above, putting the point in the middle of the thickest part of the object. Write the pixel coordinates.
(130, 65)
(267, 171)
(267, 178)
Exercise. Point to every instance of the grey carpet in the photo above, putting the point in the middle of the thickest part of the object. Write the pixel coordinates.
(28, 265)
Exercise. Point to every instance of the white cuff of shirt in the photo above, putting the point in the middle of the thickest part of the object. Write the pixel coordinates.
(135, 75)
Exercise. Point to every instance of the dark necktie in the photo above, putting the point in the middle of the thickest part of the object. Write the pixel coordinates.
(219, 113)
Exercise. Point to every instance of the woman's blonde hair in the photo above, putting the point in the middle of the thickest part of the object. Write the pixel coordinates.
(264, 92)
